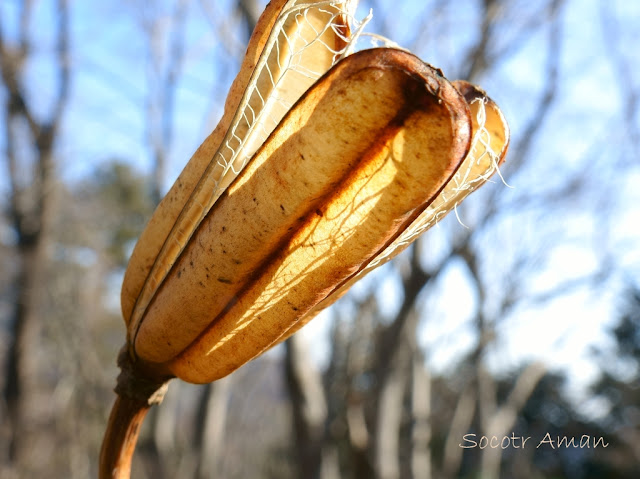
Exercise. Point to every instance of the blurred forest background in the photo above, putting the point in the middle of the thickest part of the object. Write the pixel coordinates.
(520, 317)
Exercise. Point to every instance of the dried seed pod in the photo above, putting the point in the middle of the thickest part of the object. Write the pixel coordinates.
(317, 173)
(354, 163)
(212, 242)
(351, 166)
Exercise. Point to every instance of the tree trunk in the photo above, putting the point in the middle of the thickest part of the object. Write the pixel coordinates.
(29, 138)
(309, 408)
(421, 409)
(23, 331)
(213, 428)
(389, 418)
(396, 346)
(462, 419)
(505, 416)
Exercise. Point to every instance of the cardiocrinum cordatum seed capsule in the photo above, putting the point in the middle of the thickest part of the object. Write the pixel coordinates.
(324, 165)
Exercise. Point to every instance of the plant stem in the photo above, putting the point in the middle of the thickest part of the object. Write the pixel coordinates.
(136, 392)
(120, 437)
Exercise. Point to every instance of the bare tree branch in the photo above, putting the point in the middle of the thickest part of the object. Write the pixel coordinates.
(478, 58)
(62, 64)
(164, 71)
(623, 69)
(522, 148)
(391, 339)
(249, 12)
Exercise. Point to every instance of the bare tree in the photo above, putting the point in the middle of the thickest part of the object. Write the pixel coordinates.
(393, 341)
(30, 161)
(308, 405)
(624, 74)
(165, 43)
(381, 408)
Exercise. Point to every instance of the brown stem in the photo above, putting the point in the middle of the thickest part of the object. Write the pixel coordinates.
(121, 436)
(137, 391)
